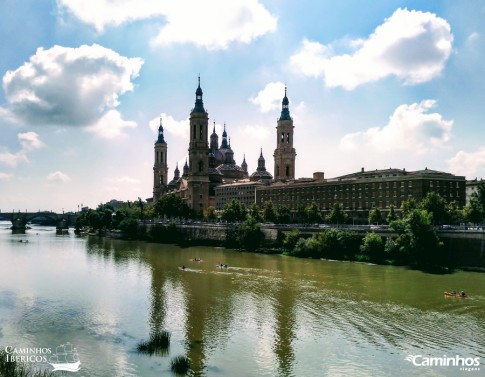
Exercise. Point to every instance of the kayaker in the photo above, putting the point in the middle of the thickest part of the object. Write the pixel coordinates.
(462, 294)
(453, 293)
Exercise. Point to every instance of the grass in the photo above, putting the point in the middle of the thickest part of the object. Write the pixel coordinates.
(157, 344)
(16, 369)
(180, 365)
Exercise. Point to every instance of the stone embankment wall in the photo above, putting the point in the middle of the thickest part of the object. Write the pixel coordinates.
(461, 248)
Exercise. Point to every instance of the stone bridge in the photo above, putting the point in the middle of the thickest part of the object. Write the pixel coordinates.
(20, 219)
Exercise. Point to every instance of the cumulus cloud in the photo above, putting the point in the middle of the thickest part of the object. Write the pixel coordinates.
(28, 142)
(269, 98)
(411, 45)
(58, 177)
(212, 24)
(69, 86)
(5, 176)
(111, 125)
(178, 128)
(410, 128)
(470, 164)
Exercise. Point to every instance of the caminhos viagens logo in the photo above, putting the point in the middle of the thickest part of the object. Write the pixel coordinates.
(469, 364)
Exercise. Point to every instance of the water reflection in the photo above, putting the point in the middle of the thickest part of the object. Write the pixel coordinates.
(264, 316)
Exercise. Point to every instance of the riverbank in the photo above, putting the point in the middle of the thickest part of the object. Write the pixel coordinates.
(458, 250)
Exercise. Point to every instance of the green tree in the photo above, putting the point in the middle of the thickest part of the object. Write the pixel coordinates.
(375, 216)
(255, 212)
(211, 214)
(408, 205)
(391, 216)
(290, 240)
(475, 210)
(171, 206)
(373, 246)
(301, 213)
(313, 215)
(283, 215)
(337, 215)
(454, 214)
(251, 236)
(234, 211)
(434, 204)
(417, 241)
(269, 212)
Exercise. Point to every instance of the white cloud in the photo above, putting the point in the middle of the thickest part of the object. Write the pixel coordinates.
(124, 180)
(178, 128)
(212, 24)
(411, 45)
(470, 164)
(270, 97)
(103, 13)
(28, 141)
(5, 176)
(58, 177)
(410, 128)
(69, 86)
(111, 125)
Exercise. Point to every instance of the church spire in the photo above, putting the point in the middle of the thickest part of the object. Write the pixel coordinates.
(199, 104)
(160, 139)
(285, 111)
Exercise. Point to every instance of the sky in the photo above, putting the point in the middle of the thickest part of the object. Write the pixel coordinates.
(372, 84)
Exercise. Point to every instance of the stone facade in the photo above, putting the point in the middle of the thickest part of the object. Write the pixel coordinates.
(360, 192)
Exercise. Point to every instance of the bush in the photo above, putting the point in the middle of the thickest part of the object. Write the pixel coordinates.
(373, 247)
(180, 365)
(158, 344)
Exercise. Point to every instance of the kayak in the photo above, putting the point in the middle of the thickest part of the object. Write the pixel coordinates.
(457, 295)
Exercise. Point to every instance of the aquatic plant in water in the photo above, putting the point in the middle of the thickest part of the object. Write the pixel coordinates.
(157, 344)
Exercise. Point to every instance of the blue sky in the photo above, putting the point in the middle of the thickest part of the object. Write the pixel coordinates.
(373, 84)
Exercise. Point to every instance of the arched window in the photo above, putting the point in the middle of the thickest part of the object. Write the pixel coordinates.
(287, 138)
(287, 170)
(282, 137)
(193, 133)
(200, 133)
(201, 166)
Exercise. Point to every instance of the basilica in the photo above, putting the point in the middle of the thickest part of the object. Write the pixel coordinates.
(211, 164)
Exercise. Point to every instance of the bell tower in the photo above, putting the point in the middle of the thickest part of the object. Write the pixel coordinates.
(198, 179)
(160, 168)
(284, 154)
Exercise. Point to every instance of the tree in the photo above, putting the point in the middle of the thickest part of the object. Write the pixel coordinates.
(255, 212)
(313, 213)
(454, 214)
(269, 212)
(337, 215)
(250, 234)
(417, 241)
(211, 214)
(475, 209)
(391, 216)
(301, 213)
(291, 239)
(283, 215)
(434, 204)
(171, 206)
(373, 246)
(234, 211)
(408, 205)
(375, 216)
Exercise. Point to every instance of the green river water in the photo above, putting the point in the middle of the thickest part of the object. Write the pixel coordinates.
(266, 315)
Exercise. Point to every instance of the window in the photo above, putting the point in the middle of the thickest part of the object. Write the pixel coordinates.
(282, 137)
(287, 138)
(200, 132)
(193, 133)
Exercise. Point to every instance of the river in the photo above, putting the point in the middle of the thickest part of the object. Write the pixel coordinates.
(266, 315)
